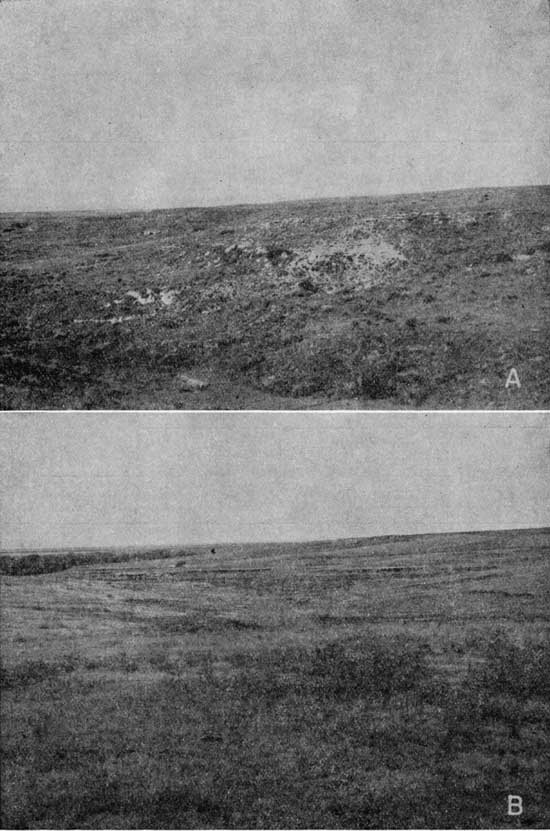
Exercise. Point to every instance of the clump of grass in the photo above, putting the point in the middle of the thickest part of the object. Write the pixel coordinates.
(370, 669)
(31, 672)
(374, 667)
(522, 671)
(313, 367)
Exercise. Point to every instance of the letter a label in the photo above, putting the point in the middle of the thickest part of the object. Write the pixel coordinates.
(515, 805)
(513, 379)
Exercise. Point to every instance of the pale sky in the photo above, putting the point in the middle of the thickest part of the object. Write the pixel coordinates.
(92, 479)
(114, 104)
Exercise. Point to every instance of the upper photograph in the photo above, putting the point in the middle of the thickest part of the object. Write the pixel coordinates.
(284, 204)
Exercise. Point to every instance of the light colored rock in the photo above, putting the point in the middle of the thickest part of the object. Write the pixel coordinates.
(112, 320)
(465, 220)
(189, 384)
(167, 296)
(268, 381)
(143, 301)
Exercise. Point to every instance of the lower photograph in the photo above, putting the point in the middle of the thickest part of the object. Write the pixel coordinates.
(275, 620)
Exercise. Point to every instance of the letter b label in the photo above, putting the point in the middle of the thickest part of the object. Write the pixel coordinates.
(515, 805)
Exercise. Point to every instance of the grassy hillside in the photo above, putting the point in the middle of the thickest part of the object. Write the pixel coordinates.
(411, 301)
(392, 682)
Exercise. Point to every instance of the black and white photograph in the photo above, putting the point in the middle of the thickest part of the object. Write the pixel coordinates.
(275, 620)
(274, 204)
(274, 414)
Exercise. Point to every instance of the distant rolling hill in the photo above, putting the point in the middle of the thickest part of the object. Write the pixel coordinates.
(400, 552)
(423, 300)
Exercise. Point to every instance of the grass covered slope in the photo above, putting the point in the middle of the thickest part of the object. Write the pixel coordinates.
(420, 300)
(393, 682)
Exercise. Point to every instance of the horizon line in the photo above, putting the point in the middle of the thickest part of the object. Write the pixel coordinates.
(309, 541)
(266, 203)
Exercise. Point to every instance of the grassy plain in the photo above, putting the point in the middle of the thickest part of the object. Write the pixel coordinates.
(423, 300)
(365, 683)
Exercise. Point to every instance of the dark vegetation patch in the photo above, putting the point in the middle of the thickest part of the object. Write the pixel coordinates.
(275, 253)
(19, 565)
(180, 624)
(338, 619)
(32, 672)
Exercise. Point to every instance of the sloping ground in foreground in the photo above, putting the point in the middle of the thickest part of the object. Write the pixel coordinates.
(419, 300)
(384, 683)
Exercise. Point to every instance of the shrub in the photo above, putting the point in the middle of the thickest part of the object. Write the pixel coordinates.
(510, 669)
(31, 672)
(379, 668)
